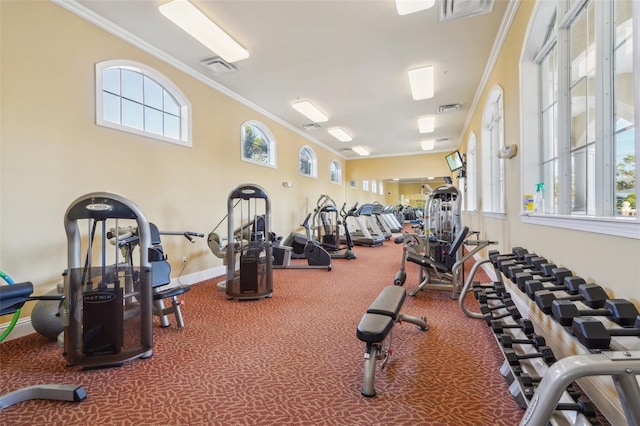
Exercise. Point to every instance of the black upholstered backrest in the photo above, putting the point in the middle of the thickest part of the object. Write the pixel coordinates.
(457, 242)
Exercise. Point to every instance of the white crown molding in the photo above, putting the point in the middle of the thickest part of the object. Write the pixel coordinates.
(78, 9)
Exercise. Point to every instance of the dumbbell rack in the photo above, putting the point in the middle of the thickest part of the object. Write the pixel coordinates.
(527, 357)
(618, 362)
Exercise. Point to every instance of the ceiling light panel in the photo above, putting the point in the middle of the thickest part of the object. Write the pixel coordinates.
(340, 134)
(199, 26)
(421, 81)
(427, 145)
(426, 124)
(360, 151)
(307, 109)
(405, 7)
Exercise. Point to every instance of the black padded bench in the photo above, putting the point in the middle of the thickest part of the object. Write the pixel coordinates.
(376, 325)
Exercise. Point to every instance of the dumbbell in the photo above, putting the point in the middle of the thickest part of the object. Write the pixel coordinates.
(496, 257)
(508, 341)
(593, 334)
(620, 311)
(591, 295)
(524, 324)
(495, 290)
(530, 262)
(570, 285)
(548, 273)
(544, 352)
(511, 312)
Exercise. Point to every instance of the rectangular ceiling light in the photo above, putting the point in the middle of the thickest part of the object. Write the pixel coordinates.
(340, 134)
(427, 145)
(427, 124)
(307, 109)
(360, 151)
(199, 26)
(421, 81)
(406, 7)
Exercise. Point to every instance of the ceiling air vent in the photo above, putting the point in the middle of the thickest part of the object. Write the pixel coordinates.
(311, 126)
(217, 66)
(449, 108)
(456, 9)
(443, 140)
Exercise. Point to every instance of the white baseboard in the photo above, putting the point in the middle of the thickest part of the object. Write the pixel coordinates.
(23, 327)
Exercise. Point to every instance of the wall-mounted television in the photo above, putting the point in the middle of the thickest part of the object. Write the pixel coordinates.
(454, 161)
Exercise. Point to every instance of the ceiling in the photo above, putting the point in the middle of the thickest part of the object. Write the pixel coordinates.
(350, 58)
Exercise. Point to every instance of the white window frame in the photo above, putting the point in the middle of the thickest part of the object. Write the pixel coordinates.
(271, 141)
(604, 220)
(313, 162)
(365, 185)
(166, 84)
(471, 179)
(493, 191)
(334, 165)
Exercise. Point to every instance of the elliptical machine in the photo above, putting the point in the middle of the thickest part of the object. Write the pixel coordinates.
(297, 246)
(327, 221)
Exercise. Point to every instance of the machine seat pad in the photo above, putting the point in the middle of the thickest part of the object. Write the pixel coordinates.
(426, 261)
(12, 297)
(171, 292)
(373, 328)
(388, 302)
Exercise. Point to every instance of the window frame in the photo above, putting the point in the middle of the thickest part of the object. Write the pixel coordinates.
(313, 162)
(493, 174)
(167, 85)
(604, 220)
(335, 164)
(471, 171)
(271, 140)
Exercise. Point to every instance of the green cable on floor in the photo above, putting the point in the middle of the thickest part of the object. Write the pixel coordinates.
(16, 314)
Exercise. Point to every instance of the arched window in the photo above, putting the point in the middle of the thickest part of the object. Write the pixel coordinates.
(258, 143)
(492, 166)
(335, 172)
(307, 162)
(579, 107)
(471, 177)
(135, 98)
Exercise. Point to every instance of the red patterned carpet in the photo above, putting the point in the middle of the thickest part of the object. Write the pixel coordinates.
(293, 359)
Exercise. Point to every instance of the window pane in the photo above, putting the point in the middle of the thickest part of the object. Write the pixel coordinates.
(132, 85)
(579, 114)
(549, 79)
(111, 80)
(171, 126)
(549, 146)
(152, 120)
(152, 94)
(110, 108)
(132, 114)
(582, 45)
(170, 104)
(624, 98)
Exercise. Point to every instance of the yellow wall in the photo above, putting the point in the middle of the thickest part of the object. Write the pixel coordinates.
(53, 152)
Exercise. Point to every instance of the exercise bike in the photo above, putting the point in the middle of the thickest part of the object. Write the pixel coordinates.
(297, 246)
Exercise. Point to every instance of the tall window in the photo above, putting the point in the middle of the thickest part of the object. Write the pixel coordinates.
(471, 178)
(137, 99)
(258, 143)
(335, 172)
(307, 162)
(579, 128)
(492, 166)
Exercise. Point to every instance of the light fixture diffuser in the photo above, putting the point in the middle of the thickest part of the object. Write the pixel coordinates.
(199, 26)
(421, 81)
(427, 145)
(360, 151)
(307, 109)
(406, 7)
(427, 124)
(340, 134)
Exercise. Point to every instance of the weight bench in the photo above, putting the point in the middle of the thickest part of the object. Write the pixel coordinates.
(374, 328)
(12, 298)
